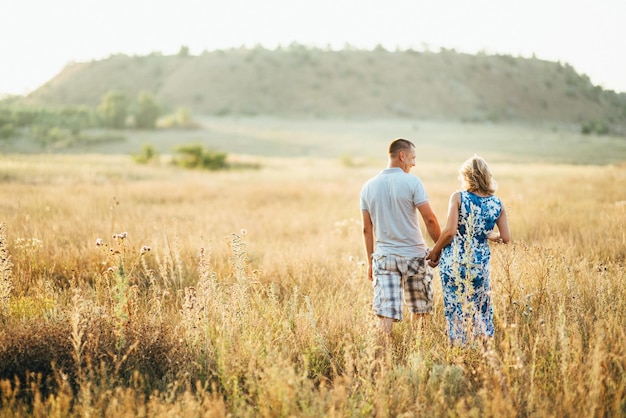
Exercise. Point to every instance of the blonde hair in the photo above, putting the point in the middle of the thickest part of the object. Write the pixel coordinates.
(475, 176)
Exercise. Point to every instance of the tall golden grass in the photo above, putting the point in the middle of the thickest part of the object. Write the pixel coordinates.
(150, 291)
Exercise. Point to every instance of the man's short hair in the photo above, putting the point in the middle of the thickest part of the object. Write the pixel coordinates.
(399, 144)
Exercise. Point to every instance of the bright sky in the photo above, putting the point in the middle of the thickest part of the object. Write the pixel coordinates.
(39, 37)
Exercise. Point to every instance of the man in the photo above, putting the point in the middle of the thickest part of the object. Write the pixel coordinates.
(394, 244)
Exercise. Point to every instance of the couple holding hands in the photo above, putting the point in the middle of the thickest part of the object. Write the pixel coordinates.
(400, 263)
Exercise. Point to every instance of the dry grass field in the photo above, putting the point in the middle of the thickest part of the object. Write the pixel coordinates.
(132, 290)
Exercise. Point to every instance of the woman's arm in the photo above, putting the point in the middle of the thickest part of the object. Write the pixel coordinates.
(448, 232)
(503, 236)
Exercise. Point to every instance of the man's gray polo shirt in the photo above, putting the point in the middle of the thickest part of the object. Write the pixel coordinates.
(391, 198)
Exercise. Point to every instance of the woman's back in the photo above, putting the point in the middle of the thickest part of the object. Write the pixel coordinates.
(478, 215)
(477, 219)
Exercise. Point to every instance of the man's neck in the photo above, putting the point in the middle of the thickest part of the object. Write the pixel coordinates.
(394, 164)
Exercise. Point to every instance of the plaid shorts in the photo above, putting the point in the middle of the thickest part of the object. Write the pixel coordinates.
(400, 279)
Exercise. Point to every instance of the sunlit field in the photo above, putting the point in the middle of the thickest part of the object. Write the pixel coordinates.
(132, 290)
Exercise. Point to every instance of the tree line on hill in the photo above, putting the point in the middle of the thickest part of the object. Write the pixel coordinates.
(66, 125)
(124, 92)
(298, 81)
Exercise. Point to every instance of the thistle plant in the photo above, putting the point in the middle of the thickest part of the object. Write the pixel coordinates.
(239, 256)
(239, 262)
(121, 270)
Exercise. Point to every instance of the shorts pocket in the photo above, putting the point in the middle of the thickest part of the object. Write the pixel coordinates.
(428, 287)
(379, 264)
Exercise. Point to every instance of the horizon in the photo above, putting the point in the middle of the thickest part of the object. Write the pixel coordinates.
(37, 46)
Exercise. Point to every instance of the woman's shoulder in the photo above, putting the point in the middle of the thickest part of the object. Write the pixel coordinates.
(456, 196)
(495, 199)
(494, 203)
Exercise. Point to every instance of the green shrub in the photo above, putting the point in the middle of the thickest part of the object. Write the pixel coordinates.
(6, 131)
(182, 118)
(113, 110)
(147, 112)
(147, 154)
(594, 127)
(196, 156)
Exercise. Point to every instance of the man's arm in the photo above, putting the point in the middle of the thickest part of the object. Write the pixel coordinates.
(448, 232)
(368, 239)
(430, 220)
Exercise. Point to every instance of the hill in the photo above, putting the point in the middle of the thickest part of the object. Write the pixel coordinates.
(301, 81)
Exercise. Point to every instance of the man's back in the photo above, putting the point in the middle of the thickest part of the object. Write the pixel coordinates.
(391, 198)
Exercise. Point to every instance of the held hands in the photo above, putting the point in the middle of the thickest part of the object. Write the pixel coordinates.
(495, 237)
(433, 258)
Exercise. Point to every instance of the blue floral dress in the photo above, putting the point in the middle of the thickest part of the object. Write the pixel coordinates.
(465, 271)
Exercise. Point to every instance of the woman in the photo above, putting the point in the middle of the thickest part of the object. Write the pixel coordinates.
(462, 252)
